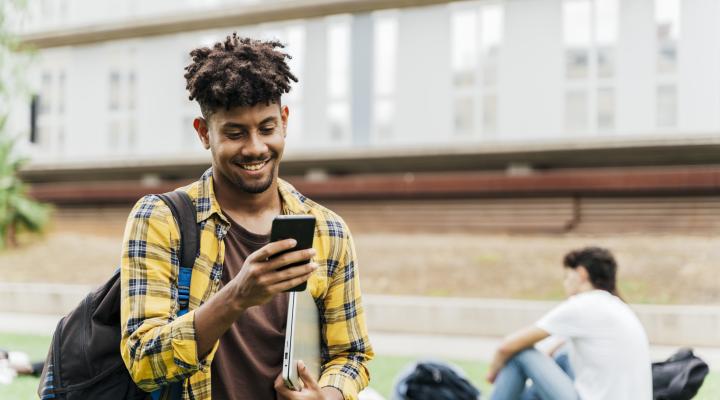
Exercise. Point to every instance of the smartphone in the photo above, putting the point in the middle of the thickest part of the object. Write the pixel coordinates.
(298, 227)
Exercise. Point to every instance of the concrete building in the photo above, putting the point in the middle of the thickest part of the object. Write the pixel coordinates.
(510, 88)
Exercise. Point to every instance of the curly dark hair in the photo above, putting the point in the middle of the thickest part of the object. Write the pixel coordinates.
(600, 265)
(238, 72)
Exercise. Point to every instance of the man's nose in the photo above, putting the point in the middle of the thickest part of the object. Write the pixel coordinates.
(255, 146)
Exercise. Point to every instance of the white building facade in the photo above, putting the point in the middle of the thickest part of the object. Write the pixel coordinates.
(448, 74)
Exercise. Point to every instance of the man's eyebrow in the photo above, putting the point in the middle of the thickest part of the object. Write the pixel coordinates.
(268, 119)
(233, 125)
(227, 125)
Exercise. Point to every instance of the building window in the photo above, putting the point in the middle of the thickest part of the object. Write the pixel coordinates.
(114, 91)
(605, 108)
(47, 111)
(491, 33)
(34, 107)
(46, 93)
(338, 67)
(61, 93)
(491, 30)
(667, 22)
(131, 92)
(577, 33)
(576, 110)
(666, 106)
(114, 135)
(590, 31)
(476, 34)
(122, 101)
(490, 113)
(606, 14)
(464, 114)
(385, 26)
(464, 65)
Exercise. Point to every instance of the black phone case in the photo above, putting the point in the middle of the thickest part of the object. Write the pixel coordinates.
(298, 227)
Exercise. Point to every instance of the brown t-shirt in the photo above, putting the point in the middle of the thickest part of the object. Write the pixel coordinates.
(250, 355)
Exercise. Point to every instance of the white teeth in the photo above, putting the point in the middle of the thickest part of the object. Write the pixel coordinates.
(253, 167)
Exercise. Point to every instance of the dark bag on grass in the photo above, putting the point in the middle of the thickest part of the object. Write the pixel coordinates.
(84, 359)
(680, 377)
(431, 380)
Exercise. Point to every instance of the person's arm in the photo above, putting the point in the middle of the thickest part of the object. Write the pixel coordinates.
(513, 344)
(346, 332)
(158, 348)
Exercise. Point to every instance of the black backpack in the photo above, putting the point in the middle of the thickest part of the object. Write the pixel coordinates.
(84, 359)
(432, 380)
(679, 377)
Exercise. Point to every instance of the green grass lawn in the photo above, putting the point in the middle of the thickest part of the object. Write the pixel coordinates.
(383, 370)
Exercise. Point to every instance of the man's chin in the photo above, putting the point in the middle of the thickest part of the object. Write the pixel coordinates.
(254, 187)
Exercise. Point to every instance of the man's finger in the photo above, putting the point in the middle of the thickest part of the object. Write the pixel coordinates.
(281, 390)
(304, 374)
(271, 249)
(289, 284)
(291, 273)
(290, 258)
(279, 382)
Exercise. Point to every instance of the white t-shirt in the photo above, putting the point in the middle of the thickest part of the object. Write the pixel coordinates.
(610, 353)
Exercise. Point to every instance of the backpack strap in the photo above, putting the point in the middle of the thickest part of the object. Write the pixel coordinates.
(185, 214)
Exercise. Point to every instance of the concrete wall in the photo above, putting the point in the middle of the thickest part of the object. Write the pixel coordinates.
(667, 325)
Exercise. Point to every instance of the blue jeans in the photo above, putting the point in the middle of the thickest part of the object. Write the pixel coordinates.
(551, 379)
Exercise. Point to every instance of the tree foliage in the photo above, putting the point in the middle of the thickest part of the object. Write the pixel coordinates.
(18, 212)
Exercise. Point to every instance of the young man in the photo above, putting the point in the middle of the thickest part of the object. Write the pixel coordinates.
(609, 351)
(230, 344)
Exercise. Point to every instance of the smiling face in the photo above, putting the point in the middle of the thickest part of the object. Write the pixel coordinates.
(247, 144)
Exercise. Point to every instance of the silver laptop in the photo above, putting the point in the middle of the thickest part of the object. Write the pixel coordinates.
(302, 338)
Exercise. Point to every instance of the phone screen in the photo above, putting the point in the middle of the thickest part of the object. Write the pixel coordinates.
(298, 227)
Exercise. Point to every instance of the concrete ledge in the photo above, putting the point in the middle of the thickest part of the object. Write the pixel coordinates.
(41, 298)
(666, 325)
(690, 325)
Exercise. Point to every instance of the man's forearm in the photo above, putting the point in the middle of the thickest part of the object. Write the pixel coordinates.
(214, 318)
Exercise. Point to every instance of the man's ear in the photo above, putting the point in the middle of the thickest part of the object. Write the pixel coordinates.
(284, 114)
(200, 125)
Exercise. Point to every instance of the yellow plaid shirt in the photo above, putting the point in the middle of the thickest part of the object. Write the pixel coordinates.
(159, 347)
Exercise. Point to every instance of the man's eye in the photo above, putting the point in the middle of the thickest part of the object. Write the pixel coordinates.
(267, 131)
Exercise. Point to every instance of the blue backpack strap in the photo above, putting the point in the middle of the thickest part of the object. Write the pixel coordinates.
(185, 214)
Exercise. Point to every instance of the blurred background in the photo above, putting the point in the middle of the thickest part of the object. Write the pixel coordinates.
(468, 144)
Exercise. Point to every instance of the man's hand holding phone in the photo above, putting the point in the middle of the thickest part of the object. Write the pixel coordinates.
(284, 264)
(263, 276)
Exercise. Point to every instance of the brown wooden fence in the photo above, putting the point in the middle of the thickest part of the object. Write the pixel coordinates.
(699, 214)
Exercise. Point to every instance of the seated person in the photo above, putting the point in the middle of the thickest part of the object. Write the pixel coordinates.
(608, 347)
(19, 363)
